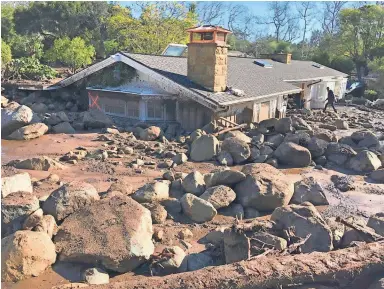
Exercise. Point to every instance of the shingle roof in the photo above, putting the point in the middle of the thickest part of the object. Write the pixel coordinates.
(243, 73)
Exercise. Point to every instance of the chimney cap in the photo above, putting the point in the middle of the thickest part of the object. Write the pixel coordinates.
(208, 28)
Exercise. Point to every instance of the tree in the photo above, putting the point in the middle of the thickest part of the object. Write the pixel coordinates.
(74, 53)
(6, 55)
(27, 45)
(330, 21)
(306, 11)
(7, 21)
(211, 12)
(343, 64)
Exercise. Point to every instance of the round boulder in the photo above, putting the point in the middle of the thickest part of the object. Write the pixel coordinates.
(317, 147)
(150, 133)
(364, 161)
(152, 192)
(29, 132)
(197, 209)
(204, 148)
(289, 153)
(194, 183)
(219, 196)
(238, 149)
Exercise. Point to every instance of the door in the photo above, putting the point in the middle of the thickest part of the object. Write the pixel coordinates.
(264, 111)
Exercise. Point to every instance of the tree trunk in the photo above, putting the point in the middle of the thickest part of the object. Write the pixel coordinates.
(350, 268)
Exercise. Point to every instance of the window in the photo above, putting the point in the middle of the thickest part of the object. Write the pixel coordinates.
(133, 110)
(114, 106)
(154, 110)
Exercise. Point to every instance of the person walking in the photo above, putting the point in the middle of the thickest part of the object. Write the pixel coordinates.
(330, 100)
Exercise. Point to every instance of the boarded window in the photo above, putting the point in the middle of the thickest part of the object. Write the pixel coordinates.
(264, 111)
(133, 109)
(154, 110)
(114, 106)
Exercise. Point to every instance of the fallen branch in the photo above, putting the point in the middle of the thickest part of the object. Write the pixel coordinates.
(230, 129)
(370, 236)
(344, 267)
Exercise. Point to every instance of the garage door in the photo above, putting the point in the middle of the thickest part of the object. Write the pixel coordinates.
(264, 111)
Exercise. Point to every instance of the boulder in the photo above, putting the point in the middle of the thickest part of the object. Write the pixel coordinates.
(258, 139)
(236, 246)
(264, 188)
(268, 123)
(239, 135)
(25, 254)
(29, 132)
(376, 222)
(69, 198)
(57, 117)
(358, 136)
(210, 127)
(152, 192)
(378, 283)
(185, 234)
(378, 176)
(63, 127)
(197, 209)
(267, 240)
(47, 225)
(158, 213)
(172, 261)
(180, 158)
(123, 186)
(256, 157)
(370, 140)
(224, 158)
(289, 153)
(39, 107)
(172, 205)
(300, 124)
(275, 139)
(197, 261)
(219, 196)
(343, 183)
(238, 149)
(151, 133)
(39, 164)
(317, 147)
(224, 177)
(364, 161)
(115, 233)
(95, 276)
(16, 183)
(4, 101)
(341, 124)
(33, 220)
(328, 126)
(303, 220)
(251, 213)
(233, 210)
(339, 153)
(13, 117)
(326, 135)
(194, 183)
(337, 229)
(284, 125)
(204, 148)
(15, 209)
(308, 190)
(96, 119)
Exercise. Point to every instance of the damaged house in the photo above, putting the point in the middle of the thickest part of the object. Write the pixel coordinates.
(206, 85)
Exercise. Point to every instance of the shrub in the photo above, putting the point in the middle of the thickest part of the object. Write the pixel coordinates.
(29, 68)
(6, 55)
(370, 95)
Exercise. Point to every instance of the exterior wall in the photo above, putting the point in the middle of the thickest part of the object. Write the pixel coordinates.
(192, 115)
(207, 65)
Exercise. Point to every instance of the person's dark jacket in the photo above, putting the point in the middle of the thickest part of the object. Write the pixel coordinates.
(331, 96)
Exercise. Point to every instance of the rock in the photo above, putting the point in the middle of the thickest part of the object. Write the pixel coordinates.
(53, 178)
(377, 284)
(224, 158)
(33, 220)
(47, 225)
(29, 132)
(39, 164)
(57, 117)
(300, 124)
(292, 154)
(79, 126)
(238, 149)
(115, 233)
(337, 231)
(204, 148)
(16, 183)
(364, 161)
(210, 127)
(273, 162)
(197, 261)
(158, 213)
(39, 108)
(266, 240)
(194, 183)
(185, 234)
(123, 186)
(268, 123)
(284, 125)
(339, 153)
(264, 188)
(276, 139)
(358, 136)
(256, 157)
(341, 124)
(236, 247)
(96, 119)
(370, 140)
(224, 177)
(308, 190)
(171, 262)
(25, 254)
(4, 101)
(326, 135)
(95, 276)
(152, 192)
(180, 158)
(219, 196)
(344, 183)
(304, 219)
(299, 137)
(378, 176)
(64, 127)
(251, 213)
(239, 135)
(127, 150)
(317, 147)
(15, 209)
(352, 236)
(376, 222)
(257, 139)
(197, 209)
(233, 210)
(172, 205)
(13, 117)
(70, 286)
(196, 134)
(69, 198)
(150, 133)
(328, 126)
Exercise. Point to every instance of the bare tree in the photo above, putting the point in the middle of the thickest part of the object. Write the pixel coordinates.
(331, 12)
(236, 13)
(211, 12)
(306, 12)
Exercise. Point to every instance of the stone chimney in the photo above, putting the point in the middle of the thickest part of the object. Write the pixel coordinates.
(280, 57)
(207, 57)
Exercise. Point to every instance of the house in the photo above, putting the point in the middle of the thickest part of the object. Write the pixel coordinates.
(206, 85)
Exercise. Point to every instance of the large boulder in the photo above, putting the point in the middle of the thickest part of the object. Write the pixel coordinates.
(16, 183)
(204, 148)
(194, 183)
(115, 233)
(27, 132)
(360, 135)
(15, 209)
(39, 164)
(308, 190)
(123, 186)
(150, 133)
(378, 176)
(303, 220)
(238, 149)
(299, 137)
(300, 124)
(238, 134)
(341, 124)
(39, 107)
(172, 262)
(13, 117)
(152, 192)
(197, 209)
(370, 140)
(339, 153)
(264, 188)
(317, 147)
(57, 117)
(96, 119)
(268, 123)
(376, 222)
(219, 196)
(326, 135)
(224, 177)
(47, 225)
(289, 153)
(284, 125)
(63, 127)
(224, 158)
(69, 198)
(158, 212)
(364, 161)
(25, 254)
(275, 139)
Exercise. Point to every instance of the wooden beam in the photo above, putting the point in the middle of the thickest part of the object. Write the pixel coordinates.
(230, 129)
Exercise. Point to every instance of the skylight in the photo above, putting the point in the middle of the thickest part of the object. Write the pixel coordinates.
(263, 63)
(318, 66)
(175, 50)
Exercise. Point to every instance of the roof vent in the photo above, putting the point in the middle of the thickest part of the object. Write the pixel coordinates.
(318, 66)
(263, 63)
